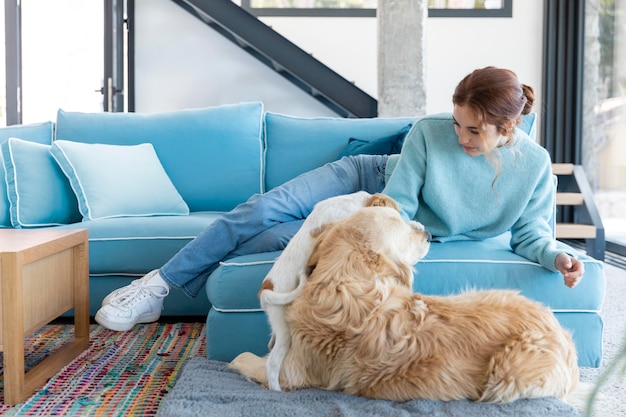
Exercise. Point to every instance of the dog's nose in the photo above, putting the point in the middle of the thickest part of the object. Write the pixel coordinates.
(429, 237)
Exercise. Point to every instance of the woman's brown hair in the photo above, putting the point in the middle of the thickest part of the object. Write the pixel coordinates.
(496, 96)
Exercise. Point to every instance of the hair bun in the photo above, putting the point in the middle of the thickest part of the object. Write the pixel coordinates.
(529, 94)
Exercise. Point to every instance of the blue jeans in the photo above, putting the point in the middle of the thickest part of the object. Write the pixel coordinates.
(253, 226)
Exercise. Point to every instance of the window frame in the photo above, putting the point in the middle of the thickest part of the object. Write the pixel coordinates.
(113, 26)
(505, 11)
(13, 62)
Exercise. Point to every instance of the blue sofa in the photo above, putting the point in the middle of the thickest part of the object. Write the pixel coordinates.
(142, 203)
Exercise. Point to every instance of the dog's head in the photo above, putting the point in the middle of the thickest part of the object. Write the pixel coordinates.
(374, 240)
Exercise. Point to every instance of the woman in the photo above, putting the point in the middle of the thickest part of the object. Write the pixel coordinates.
(469, 175)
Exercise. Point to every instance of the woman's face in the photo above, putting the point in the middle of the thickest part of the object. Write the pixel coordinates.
(475, 139)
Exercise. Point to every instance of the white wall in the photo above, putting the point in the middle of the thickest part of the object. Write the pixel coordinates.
(456, 46)
(348, 45)
(181, 62)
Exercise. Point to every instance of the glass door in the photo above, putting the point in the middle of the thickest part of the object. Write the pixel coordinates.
(604, 119)
(62, 57)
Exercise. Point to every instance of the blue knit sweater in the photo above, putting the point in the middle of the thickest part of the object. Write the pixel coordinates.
(453, 195)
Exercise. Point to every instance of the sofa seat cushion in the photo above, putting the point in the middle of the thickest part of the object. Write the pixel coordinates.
(212, 155)
(448, 268)
(453, 267)
(136, 245)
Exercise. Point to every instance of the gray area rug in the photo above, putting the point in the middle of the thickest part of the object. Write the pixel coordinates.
(210, 388)
(612, 403)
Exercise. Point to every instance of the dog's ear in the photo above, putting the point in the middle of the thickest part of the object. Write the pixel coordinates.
(372, 258)
(379, 263)
(318, 237)
(316, 232)
(267, 284)
(359, 243)
(382, 200)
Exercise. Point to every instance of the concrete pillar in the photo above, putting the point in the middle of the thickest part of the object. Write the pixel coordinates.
(401, 57)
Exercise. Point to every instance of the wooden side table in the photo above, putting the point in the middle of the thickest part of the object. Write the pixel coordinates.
(44, 273)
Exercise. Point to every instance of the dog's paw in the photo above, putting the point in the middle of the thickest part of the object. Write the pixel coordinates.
(416, 225)
(382, 200)
(241, 359)
(251, 366)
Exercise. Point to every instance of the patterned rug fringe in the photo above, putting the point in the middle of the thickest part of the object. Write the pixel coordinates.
(120, 374)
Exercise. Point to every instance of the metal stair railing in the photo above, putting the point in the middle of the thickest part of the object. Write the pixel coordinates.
(293, 63)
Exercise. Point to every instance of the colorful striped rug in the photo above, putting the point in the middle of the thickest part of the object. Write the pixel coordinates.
(120, 374)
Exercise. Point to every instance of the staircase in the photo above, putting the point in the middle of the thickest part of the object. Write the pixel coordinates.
(280, 54)
(574, 200)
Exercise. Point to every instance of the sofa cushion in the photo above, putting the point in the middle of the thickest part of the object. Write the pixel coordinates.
(448, 268)
(298, 144)
(118, 181)
(36, 132)
(39, 194)
(387, 145)
(133, 246)
(212, 155)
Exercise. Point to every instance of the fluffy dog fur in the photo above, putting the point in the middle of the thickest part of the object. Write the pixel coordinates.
(286, 279)
(359, 328)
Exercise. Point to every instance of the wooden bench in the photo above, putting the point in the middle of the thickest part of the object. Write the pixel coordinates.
(577, 215)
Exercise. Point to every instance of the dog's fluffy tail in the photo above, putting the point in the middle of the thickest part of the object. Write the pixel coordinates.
(271, 297)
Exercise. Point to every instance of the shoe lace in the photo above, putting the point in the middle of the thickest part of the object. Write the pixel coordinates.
(137, 292)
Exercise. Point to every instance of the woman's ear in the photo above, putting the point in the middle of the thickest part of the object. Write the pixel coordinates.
(507, 129)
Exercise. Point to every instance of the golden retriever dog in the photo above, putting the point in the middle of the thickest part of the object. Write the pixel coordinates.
(285, 281)
(358, 327)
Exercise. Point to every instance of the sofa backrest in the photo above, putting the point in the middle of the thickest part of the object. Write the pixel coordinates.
(294, 145)
(216, 157)
(213, 156)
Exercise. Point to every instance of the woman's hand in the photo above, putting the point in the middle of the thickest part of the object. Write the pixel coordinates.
(571, 268)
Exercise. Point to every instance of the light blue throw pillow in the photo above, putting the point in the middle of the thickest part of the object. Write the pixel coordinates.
(118, 181)
(35, 132)
(38, 192)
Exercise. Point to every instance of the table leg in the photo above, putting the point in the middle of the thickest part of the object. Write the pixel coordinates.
(81, 293)
(13, 330)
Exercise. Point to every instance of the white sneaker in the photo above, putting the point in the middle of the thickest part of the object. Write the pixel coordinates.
(130, 288)
(139, 302)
